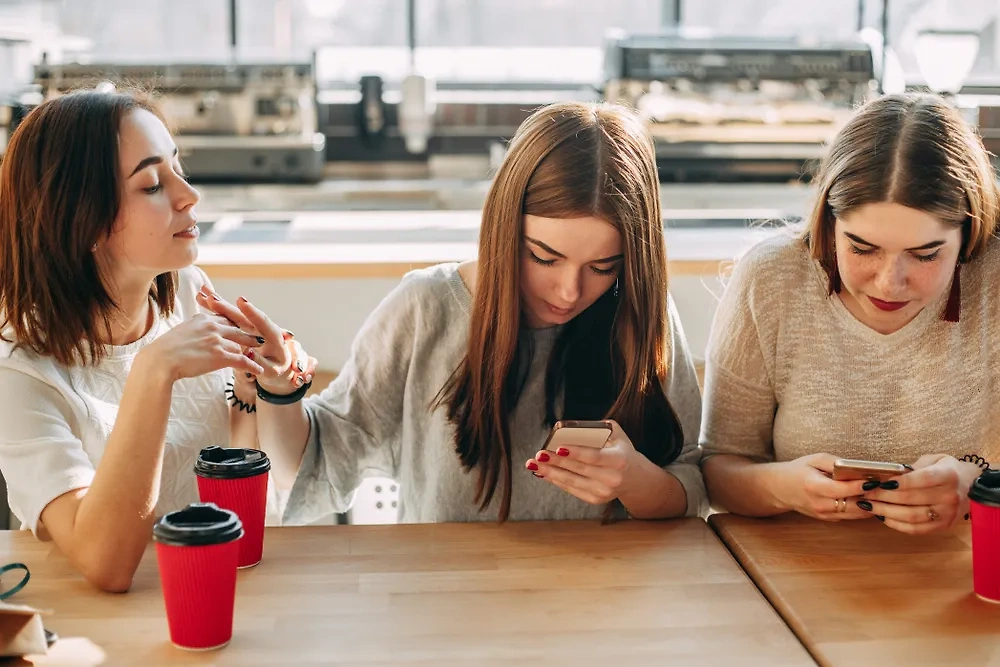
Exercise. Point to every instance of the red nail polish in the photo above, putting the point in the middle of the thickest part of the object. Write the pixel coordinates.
(250, 354)
(562, 451)
(543, 457)
(532, 465)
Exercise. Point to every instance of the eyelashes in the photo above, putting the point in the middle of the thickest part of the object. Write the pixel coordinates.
(549, 262)
(869, 251)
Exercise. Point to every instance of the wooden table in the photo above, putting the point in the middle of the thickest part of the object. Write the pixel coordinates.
(576, 593)
(859, 593)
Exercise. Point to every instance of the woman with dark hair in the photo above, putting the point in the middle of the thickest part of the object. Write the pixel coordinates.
(455, 380)
(110, 379)
(873, 335)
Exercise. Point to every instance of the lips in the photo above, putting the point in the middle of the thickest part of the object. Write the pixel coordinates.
(189, 232)
(559, 311)
(887, 306)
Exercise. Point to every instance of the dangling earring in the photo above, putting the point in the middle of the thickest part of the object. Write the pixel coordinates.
(953, 309)
(616, 288)
(834, 274)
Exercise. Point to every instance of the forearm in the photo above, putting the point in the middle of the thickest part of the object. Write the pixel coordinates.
(653, 493)
(738, 485)
(113, 521)
(282, 431)
(242, 418)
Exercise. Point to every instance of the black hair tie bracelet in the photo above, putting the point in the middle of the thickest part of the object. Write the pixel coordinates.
(282, 399)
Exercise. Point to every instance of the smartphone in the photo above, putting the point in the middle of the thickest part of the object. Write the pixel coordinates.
(850, 469)
(580, 433)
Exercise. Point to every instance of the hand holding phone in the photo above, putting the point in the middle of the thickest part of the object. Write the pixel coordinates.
(853, 469)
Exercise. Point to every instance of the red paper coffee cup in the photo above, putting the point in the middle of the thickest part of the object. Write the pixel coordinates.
(984, 506)
(236, 479)
(197, 549)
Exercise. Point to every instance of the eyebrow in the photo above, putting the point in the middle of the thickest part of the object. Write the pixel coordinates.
(153, 159)
(603, 260)
(926, 246)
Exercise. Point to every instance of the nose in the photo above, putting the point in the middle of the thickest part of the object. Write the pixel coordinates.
(891, 278)
(568, 287)
(185, 195)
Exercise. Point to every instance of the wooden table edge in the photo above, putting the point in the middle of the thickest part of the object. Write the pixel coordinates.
(717, 522)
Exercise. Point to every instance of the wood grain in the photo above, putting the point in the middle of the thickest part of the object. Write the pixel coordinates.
(858, 592)
(574, 593)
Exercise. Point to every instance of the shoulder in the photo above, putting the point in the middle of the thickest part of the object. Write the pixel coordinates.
(781, 253)
(775, 270)
(436, 289)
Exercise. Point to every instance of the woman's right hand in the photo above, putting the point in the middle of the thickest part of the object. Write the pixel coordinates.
(203, 344)
(806, 485)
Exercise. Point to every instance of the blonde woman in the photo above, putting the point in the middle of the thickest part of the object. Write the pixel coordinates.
(456, 378)
(874, 335)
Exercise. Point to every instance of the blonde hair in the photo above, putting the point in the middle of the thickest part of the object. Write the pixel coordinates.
(915, 150)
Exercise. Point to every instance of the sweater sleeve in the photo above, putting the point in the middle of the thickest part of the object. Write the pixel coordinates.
(356, 422)
(685, 398)
(740, 401)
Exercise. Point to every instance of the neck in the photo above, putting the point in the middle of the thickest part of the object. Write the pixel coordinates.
(133, 318)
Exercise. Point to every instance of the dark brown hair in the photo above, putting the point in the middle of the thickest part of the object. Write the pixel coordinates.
(60, 193)
(912, 149)
(569, 160)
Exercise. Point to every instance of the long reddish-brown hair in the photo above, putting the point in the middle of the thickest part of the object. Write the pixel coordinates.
(569, 160)
(60, 193)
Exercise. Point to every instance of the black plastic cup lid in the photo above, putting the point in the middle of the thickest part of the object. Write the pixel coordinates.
(198, 524)
(986, 489)
(223, 463)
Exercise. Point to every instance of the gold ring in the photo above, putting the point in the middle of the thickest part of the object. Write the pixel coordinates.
(932, 515)
(841, 505)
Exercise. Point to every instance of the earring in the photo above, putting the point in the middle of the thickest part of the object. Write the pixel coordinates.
(616, 288)
(94, 249)
(953, 309)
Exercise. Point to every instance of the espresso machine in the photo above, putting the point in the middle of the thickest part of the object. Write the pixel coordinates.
(738, 108)
(232, 122)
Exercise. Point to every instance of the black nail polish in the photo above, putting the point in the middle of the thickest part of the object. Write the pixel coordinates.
(537, 475)
(880, 518)
(966, 517)
(891, 485)
(260, 339)
(870, 484)
(865, 505)
(249, 375)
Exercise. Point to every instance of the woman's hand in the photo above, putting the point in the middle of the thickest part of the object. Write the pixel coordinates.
(596, 476)
(201, 345)
(285, 364)
(805, 485)
(930, 498)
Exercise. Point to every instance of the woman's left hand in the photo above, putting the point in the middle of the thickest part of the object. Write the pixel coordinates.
(930, 498)
(596, 476)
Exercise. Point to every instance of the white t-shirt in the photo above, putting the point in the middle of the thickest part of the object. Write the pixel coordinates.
(55, 421)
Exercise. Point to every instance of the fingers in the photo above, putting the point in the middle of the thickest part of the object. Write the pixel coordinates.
(263, 324)
(824, 487)
(241, 338)
(924, 478)
(823, 462)
(931, 496)
(240, 363)
(911, 514)
(915, 528)
(550, 463)
(586, 489)
(608, 457)
(214, 303)
(836, 509)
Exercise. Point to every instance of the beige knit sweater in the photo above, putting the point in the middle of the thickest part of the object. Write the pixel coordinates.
(791, 372)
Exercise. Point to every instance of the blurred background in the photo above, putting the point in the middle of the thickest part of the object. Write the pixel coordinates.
(339, 144)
